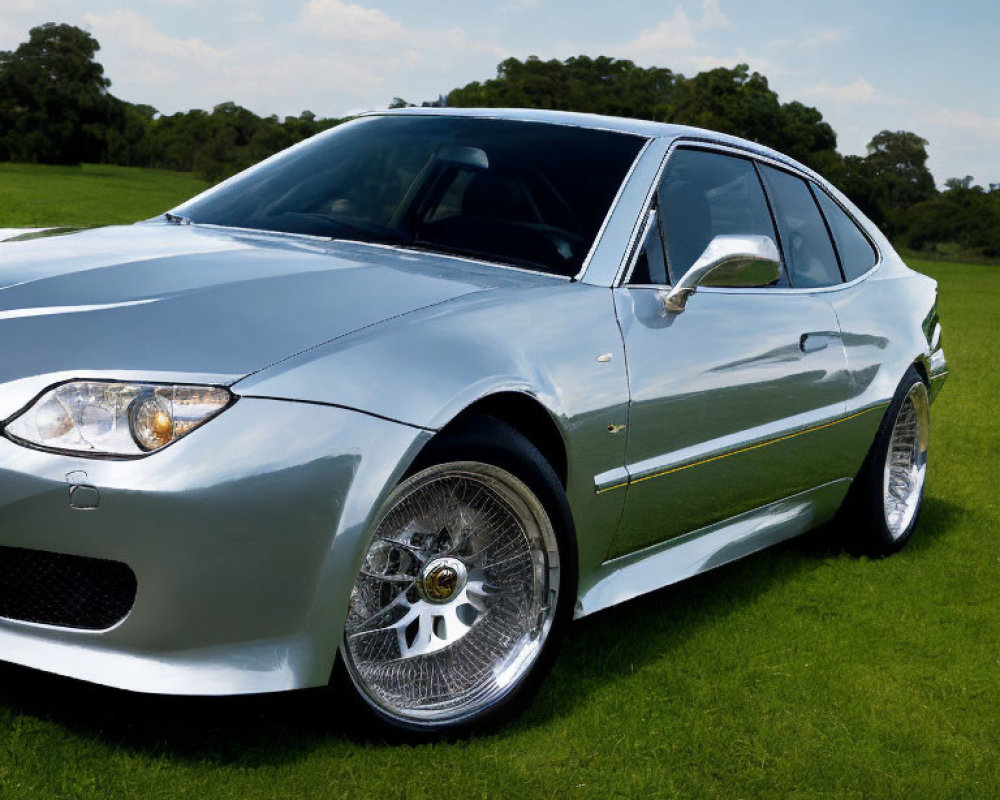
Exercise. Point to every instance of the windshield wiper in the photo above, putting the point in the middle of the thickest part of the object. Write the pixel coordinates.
(176, 219)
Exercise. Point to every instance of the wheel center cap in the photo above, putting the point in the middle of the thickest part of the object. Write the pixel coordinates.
(441, 579)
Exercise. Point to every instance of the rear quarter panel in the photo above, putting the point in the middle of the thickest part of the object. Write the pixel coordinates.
(885, 320)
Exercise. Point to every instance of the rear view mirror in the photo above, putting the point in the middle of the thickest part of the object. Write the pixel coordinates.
(473, 157)
(732, 261)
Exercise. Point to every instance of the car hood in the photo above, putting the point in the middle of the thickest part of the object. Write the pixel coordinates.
(157, 301)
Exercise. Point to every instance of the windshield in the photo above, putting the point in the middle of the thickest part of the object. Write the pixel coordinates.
(528, 194)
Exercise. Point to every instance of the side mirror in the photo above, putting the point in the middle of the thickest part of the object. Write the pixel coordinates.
(732, 261)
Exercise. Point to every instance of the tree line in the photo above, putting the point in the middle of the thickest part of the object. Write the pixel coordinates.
(56, 107)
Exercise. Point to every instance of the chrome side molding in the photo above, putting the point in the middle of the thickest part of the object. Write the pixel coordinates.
(666, 563)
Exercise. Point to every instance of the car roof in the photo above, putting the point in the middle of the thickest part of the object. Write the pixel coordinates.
(636, 127)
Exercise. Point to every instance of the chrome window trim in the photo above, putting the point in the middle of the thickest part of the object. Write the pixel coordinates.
(645, 129)
(649, 217)
(402, 248)
(639, 229)
(611, 210)
(696, 143)
(861, 228)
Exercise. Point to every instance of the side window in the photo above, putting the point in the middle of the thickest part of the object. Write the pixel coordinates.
(704, 195)
(808, 251)
(650, 264)
(857, 255)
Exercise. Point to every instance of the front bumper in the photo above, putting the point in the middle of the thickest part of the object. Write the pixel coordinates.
(244, 537)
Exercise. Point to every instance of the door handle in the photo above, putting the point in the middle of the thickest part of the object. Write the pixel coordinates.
(812, 342)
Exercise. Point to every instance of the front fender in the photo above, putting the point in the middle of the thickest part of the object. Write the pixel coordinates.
(558, 343)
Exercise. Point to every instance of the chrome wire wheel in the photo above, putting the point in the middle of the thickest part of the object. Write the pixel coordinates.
(456, 595)
(906, 462)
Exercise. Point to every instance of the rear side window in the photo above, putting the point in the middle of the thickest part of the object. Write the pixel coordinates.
(857, 255)
(704, 195)
(809, 254)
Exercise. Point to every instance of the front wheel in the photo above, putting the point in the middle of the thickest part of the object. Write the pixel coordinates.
(457, 598)
(885, 499)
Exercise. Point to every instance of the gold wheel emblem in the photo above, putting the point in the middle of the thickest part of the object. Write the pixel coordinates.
(442, 579)
(441, 583)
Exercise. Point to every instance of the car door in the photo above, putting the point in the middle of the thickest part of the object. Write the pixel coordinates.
(731, 399)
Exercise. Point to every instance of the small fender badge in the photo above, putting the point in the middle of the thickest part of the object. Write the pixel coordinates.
(83, 496)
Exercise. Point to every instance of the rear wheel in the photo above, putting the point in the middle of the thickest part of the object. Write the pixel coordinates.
(462, 592)
(886, 496)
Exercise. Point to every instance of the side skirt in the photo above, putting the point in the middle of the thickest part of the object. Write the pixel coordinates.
(654, 567)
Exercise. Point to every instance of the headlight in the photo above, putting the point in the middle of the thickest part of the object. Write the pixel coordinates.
(115, 419)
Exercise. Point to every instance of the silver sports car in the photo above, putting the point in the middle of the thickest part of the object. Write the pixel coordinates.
(396, 405)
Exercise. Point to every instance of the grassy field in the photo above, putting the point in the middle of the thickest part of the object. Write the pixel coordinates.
(801, 672)
(38, 196)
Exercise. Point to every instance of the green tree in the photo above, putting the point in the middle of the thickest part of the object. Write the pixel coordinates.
(733, 101)
(600, 85)
(897, 161)
(54, 105)
(963, 216)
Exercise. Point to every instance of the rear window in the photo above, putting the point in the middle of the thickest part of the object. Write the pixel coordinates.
(857, 255)
(528, 194)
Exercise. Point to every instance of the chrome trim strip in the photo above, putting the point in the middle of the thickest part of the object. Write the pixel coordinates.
(536, 116)
(749, 152)
(611, 210)
(635, 248)
(612, 479)
(668, 562)
(732, 445)
(211, 226)
(638, 230)
(402, 248)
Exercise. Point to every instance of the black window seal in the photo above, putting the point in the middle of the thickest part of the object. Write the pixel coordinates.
(829, 231)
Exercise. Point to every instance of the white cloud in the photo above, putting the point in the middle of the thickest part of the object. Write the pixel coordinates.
(287, 71)
(136, 33)
(19, 6)
(10, 36)
(190, 73)
(712, 16)
(859, 91)
(701, 63)
(668, 37)
(821, 38)
(340, 21)
(809, 41)
(968, 121)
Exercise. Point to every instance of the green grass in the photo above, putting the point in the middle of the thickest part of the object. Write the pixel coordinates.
(801, 672)
(37, 196)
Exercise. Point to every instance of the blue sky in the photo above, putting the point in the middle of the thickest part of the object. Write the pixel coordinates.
(921, 66)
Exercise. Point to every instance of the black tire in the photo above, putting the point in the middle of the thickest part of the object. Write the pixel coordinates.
(488, 441)
(867, 510)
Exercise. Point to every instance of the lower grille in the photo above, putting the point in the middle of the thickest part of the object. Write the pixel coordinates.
(63, 590)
